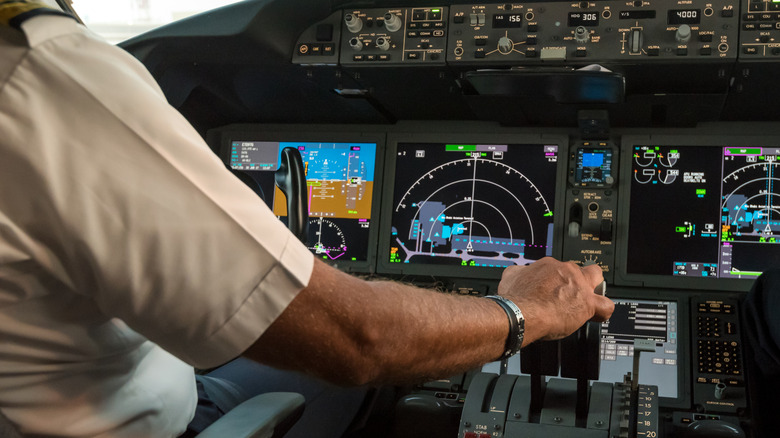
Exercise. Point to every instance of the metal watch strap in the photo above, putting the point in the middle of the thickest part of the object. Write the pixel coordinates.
(516, 325)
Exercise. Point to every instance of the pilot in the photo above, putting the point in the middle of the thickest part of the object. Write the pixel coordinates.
(130, 255)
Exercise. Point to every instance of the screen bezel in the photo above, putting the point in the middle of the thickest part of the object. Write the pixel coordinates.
(622, 276)
(336, 134)
(455, 272)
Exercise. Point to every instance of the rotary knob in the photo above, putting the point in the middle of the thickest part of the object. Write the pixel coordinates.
(382, 43)
(683, 34)
(505, 45)
(392, 22)
(353, 22)
(581, 34)
(356, 44)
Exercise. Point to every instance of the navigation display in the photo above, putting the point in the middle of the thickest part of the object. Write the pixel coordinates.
(472, 205)
(340, 179)
(710, 211)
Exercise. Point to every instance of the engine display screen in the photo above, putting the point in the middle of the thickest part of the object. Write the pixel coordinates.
(709, 211)
(473, 205)
(340, 187)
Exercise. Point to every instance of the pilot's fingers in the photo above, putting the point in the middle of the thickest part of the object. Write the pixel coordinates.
(603, 307)
(593, 275)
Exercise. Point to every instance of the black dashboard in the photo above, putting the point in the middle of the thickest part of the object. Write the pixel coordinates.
(443, 142)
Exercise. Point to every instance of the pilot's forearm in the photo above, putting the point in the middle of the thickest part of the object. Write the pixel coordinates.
(350, 332)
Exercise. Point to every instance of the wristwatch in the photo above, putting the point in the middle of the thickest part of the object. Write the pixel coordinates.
(516, 325)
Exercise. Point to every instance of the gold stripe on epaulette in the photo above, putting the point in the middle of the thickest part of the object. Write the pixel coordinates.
(11, 9)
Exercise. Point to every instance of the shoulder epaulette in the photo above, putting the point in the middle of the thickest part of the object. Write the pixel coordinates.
(15, 12)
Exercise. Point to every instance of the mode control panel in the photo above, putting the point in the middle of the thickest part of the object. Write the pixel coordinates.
(392, 36)
(760, 30)
(594, 31)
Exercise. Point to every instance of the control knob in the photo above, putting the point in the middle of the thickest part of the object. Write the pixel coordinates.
(581, 34)
(505, 45)
(355, 43)
(683, 34)
(392, 22)
(353, 22)
(382, 43)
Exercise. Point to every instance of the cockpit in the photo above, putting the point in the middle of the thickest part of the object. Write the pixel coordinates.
(443, 142)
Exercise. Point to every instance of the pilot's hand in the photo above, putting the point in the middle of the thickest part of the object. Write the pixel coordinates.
(556, 298)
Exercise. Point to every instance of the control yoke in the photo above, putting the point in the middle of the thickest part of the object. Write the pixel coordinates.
(291, 180)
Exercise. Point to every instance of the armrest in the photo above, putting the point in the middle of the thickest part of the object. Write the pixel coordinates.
(258, 417)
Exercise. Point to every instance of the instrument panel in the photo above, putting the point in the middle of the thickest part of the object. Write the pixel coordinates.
(533, 33)
(671, 217)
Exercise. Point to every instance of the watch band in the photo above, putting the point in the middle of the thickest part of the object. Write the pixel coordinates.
(516, 325)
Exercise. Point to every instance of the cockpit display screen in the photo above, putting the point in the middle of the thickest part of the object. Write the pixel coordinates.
(340, 188)
(472, 205)
(708, 212)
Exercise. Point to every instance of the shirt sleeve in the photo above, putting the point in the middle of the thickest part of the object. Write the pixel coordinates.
(120, 199)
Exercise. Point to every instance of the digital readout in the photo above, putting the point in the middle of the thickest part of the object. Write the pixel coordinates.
(583, 19)
(684, 16)
(504, 21)
(637, 15)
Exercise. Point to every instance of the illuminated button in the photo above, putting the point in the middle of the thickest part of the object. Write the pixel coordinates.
(434, 15)
(470, 435)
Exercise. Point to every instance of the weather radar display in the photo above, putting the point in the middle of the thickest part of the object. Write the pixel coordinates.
(473, 205)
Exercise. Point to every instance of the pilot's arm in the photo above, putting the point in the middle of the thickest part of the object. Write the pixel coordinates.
(351, 331)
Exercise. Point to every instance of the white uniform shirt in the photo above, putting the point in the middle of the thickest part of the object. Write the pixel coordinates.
(120, 233)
